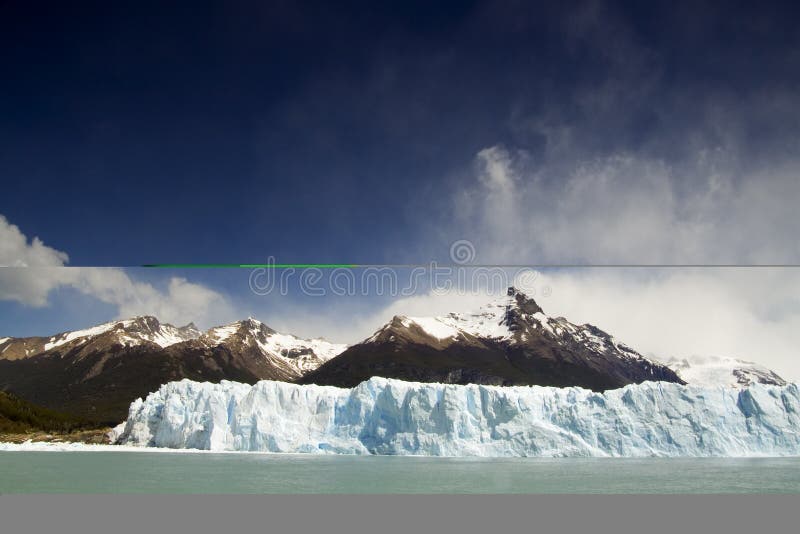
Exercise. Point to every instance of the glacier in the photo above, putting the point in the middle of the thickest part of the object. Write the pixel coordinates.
(385, 416)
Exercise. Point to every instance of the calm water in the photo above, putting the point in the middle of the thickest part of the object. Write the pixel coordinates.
(158, 472)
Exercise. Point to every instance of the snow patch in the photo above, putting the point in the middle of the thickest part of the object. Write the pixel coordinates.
(486, 322)
(220, 333)
(435, 327)
(316, 351)
(166, 335)
(61, 339)
(295, 355)
(721, 371)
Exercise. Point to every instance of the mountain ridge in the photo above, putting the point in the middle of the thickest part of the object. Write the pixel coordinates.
(509, 341)
(97, 372)
(127, 332)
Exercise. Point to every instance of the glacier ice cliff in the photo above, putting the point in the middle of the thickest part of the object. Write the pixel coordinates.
(383, 416)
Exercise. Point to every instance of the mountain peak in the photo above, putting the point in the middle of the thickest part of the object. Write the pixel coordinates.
(525, 303)
(256, 327)
(507, 341)
(497, 319)
(138, 321)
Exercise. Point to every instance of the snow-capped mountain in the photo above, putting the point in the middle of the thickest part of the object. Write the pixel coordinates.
(124, 332)
(513, 318)
(710, 371)
(509, 341)
(96, 372)
(293, 355)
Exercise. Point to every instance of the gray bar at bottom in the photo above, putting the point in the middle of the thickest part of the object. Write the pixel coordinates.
(326, 514)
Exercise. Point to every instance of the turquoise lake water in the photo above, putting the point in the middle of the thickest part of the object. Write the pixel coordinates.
(159, 472)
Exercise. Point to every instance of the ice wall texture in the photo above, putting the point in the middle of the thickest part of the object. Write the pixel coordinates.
(382, 416)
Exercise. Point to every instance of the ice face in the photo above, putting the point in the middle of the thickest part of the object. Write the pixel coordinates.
(382, 416)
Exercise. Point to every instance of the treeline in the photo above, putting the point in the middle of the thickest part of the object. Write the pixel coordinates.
(18, 415)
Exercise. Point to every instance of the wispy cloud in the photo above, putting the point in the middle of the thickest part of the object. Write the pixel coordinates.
(626, 209)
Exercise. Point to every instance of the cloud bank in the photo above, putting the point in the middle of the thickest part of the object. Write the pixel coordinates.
(32, 270)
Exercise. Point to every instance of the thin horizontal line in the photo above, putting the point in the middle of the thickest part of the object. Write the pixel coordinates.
(427, 265)
(580, 265)
(475, 265)
(251, 265)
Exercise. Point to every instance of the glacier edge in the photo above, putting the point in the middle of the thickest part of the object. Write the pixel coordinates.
(386, 416)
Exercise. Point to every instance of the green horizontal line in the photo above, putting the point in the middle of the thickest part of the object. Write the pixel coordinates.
(252, 265)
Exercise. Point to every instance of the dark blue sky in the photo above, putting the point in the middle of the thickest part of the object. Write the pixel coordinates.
(138, 132)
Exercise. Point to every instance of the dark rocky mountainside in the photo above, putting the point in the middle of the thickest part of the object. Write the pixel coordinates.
(508, 342)
(96, 373)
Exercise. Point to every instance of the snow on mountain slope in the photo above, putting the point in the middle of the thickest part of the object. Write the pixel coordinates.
(219, 334)
(137, 330)
(303, 351)
(125, 332)
(505, 318)
(294, 355)
(383, 416)
(712, 371)
(486, 322)
(129, 332)
(66, 337)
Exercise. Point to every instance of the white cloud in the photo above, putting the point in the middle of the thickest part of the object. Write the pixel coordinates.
(751, 314)
(627, 209)
(496, 172)
(16, 251)
(180, 302)
(34, 270)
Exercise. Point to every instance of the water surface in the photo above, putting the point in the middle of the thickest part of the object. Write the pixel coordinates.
(159, 472)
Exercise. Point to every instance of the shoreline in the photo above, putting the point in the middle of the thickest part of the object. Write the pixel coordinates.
(71, 446)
